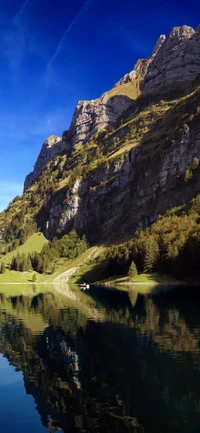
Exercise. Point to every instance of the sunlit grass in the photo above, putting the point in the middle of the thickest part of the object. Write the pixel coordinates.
(154, 278)
(34, 243)
(21, 277)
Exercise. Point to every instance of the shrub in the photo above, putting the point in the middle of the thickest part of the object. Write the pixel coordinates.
(195, 163)
(188, 175)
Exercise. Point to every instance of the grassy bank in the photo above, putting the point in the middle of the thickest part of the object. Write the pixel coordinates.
(89, 266)
(154, 278)
(21, 277)
(62, 266)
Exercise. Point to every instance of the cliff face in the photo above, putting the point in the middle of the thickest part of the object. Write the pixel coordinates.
(178, 59)
(52, 147)
(141, 66)
(129, 195)
(89, 117)
(138, 142)
(92, 116)
(174, 59)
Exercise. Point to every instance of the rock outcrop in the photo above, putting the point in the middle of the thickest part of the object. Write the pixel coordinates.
(91, 116)
(177, 60)
(52, 147)
(141, 66)
(88, 118)
(127, 78)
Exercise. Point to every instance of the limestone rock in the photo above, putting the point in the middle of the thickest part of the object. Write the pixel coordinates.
(174, 59)
(177, 60)
(91, 116)
(88, 118)
(158, 45)
(127, 78)
(52, 147)
(137, 205)
(141, 66)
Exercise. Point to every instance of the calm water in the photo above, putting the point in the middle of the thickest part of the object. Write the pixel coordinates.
(101, 361)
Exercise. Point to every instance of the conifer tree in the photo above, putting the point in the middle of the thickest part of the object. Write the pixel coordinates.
(132, 272)
(3, 268)
(151, 254)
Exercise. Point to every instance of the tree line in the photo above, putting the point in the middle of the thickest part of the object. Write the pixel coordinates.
(69, 246)
(171, 245)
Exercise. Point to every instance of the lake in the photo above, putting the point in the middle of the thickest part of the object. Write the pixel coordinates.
(99, 361)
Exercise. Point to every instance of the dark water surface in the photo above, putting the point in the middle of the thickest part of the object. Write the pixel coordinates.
(101, 361)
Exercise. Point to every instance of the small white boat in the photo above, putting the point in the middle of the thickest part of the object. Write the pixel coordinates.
(84, 286)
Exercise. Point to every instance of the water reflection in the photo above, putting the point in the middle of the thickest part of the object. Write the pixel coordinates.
(106, 360)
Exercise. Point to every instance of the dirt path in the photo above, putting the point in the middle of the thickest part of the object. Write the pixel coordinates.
(64, 277)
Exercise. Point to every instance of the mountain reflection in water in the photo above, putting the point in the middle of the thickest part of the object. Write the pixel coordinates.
(106, 360)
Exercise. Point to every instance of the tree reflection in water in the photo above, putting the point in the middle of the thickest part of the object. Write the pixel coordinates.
(106, 360)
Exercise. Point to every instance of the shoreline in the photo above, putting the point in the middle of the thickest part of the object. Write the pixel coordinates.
(149, 283)
(108, 283)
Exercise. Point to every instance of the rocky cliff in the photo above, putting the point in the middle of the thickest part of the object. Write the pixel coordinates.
(178, 59)
(141, 66)
(52, 147)
(89, 117)
(174, 59)
(136, 187)
(129, 155)
(92, 116)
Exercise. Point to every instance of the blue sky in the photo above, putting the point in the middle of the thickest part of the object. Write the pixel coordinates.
(54, 53)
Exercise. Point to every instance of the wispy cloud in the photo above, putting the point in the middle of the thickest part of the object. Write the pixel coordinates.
(23, 7)
(73, 22)
(13, 49)
(18, 40)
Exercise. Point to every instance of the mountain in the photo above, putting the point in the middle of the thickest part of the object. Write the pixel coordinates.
(127, 156)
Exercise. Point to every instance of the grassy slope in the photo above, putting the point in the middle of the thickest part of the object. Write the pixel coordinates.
(79, 262)
(34, 243)
(129, 89)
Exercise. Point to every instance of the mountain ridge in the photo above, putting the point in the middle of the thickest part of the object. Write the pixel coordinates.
(148, 75)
